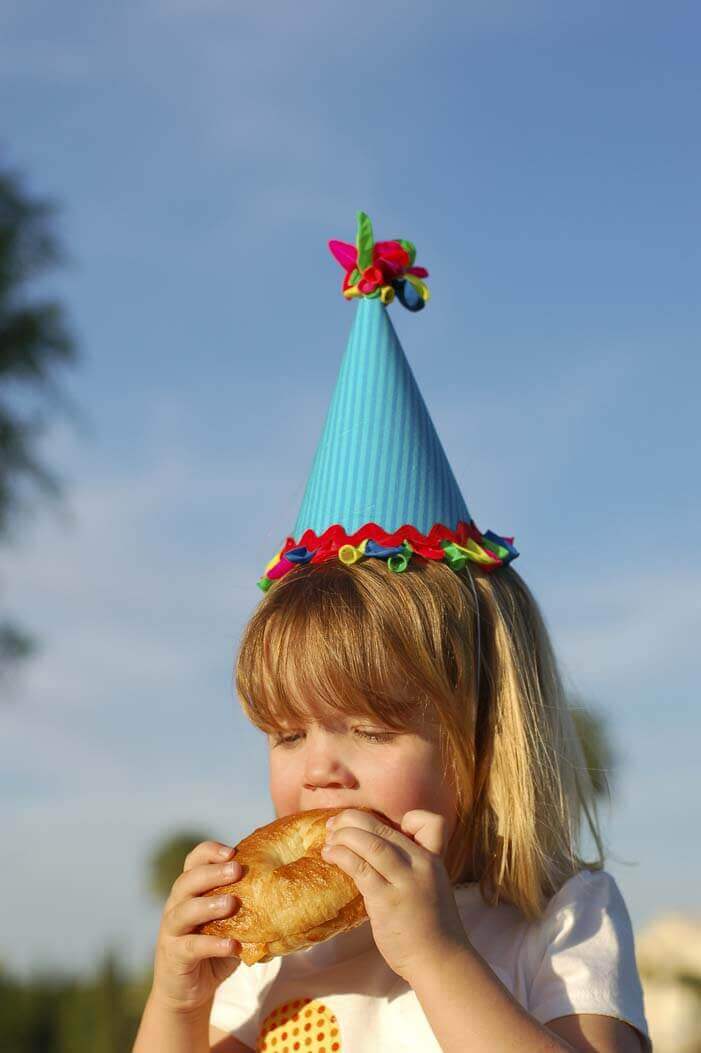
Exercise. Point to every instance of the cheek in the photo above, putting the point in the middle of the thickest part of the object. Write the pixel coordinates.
(283, 780)
(419, 783)
(405, 782)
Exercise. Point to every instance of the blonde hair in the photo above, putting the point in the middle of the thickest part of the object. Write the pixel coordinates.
(403, 646)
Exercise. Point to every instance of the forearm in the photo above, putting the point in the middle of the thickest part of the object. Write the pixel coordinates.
(164, 1031)
(469, 1008)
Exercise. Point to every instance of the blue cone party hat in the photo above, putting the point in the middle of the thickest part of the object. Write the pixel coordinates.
(381, 485)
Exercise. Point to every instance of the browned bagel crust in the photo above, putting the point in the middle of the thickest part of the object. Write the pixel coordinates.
(290, 896)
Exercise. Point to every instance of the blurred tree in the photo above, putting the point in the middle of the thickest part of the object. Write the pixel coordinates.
(595, 739)
(29, 1012)
(34, 342)
(166, 862)
(54, 1013)
(94, 1016)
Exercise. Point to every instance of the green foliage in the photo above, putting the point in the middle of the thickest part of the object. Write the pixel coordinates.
(166, 862)
(34, 342)
(51, 1013)
(14, 643)
(34, 338)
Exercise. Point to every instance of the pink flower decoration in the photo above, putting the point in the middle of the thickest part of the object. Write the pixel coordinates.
(390, 261)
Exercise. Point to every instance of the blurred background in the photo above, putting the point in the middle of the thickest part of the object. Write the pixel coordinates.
(171, 327)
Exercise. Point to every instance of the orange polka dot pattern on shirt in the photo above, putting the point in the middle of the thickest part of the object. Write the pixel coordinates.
(302, 1026)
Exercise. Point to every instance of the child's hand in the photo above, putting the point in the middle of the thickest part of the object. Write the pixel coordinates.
(188, 966)
(407, 892)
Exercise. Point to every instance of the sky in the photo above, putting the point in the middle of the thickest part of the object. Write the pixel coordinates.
(545, 160)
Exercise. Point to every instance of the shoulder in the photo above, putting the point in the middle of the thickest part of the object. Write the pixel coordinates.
(586, 917)
(580, 956)
(587, 891)
(584, 886)
(577, 958)
(589, 901)
(588, 911)
(586, 882)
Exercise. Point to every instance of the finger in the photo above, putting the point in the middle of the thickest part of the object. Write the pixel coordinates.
(369, 881)
(207, 852)
(364, 817)
(427, 828)
(194, 948)
(187, 916)
(385, 857)
(201, 879)
(378, 824)
(352, 819)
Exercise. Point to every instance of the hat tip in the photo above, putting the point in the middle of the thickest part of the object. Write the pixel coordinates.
(380, 270)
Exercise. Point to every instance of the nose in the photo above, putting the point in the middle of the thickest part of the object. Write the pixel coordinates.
(326, 762)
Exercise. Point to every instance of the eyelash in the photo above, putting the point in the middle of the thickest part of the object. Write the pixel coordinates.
(371, 736)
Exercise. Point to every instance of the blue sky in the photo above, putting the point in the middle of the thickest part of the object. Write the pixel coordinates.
(544, 159)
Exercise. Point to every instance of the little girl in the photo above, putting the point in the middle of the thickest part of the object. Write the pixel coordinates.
(407, 668)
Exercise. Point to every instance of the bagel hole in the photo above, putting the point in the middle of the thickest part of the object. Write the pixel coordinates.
(291, 850)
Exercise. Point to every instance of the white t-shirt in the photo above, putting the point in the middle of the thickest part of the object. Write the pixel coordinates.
(340, 996)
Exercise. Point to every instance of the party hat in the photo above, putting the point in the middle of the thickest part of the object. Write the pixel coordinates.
(380, 484)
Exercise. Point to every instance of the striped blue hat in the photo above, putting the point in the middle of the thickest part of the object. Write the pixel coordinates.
(381, 485)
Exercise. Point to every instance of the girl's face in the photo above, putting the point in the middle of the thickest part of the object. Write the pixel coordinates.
(344, 761)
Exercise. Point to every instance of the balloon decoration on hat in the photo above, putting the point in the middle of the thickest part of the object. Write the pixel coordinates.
(380, 485)
(381, 269)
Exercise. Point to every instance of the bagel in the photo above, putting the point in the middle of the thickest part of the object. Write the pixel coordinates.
(290, 896)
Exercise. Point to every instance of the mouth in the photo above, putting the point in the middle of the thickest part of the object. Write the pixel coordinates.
(357, 804)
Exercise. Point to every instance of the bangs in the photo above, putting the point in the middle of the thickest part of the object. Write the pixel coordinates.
(330, 639)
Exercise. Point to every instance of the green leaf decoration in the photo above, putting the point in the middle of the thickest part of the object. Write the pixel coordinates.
(498, 550)
(397, 564)
(409, 247)
(364, 241)
(453, 557)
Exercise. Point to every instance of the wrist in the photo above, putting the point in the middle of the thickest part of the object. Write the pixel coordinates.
(430, 965)
(175, 1029)
(159, 1003)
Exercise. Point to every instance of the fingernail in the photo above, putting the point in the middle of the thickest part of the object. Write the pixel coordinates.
(331, 821)
(224, 852)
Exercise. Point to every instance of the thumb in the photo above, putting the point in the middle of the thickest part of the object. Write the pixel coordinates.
(224, 967)
(428, 829)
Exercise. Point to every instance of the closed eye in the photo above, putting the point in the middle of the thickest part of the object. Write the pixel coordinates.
(370, 736)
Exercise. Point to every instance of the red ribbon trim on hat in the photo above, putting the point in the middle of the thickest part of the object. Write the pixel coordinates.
(326, 546)
(328, 543)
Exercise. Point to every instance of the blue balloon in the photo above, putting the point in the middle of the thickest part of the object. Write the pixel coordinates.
(408, 295)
